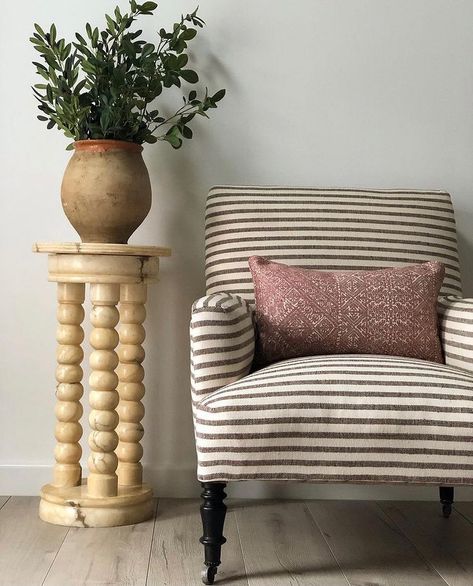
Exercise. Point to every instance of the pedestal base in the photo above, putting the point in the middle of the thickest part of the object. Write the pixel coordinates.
(73, 507)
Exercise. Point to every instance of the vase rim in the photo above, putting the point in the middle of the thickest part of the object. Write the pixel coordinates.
(101, 145)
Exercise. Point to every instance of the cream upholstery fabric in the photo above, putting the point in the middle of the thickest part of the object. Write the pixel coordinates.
(346, 418)
(353, 418)
(326, 229)
(222, 342)
(456, 331)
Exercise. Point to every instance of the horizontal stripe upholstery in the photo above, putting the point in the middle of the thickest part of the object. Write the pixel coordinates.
(330, 229)
(456, 331)
(222, 342)
(352, 418)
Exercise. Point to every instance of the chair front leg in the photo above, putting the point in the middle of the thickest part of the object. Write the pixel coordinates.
(212, 511)
(446, 499)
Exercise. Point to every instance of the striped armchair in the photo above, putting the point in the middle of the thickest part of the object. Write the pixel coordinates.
(339, 418)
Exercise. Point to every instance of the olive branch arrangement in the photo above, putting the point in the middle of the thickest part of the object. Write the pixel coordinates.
(104, 85)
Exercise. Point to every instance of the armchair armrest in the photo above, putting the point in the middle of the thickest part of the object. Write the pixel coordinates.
(222, 342)
(456, 331)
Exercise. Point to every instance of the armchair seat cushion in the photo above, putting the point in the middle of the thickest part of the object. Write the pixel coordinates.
(350, 418)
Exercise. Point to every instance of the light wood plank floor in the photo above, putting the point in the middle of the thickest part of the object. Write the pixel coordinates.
(270, 543)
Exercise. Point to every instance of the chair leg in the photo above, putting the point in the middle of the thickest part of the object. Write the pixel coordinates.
(446, 499)
(212, 511)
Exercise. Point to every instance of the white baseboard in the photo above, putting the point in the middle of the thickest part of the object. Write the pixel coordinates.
(23, 479)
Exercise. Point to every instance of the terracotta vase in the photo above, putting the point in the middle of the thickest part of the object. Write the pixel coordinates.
(106, 192)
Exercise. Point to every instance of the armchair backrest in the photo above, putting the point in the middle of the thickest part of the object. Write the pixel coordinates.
(327, 229)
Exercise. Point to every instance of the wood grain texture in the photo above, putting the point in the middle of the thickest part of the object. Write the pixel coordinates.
(447, 544)
(283, 547)
(369, 547)
(115, 556)
(28, 546)
(282, 544)
(177, 556)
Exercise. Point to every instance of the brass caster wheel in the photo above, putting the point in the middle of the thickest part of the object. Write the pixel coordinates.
(208, 574)
(446, 510)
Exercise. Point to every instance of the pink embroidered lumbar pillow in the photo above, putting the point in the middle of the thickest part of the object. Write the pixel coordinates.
(305, 312)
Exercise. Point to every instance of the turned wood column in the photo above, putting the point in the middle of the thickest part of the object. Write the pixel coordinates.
(69, 354)
(130, 387)
(103, 396)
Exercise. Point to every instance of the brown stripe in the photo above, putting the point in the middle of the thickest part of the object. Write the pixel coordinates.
(353, 383)
(452, 343)
(340, 464)
(321, 367)
(336, 406)
(221, 375)
(333, 449)
(312, 236)
(222, 349)
(462, 303)
(320, 372)
(277, 219)
(224, 212)
(287, 257)
(218, 322)
(216, 308)
(209, 299)
(225, 362)
(287, 239)
(459, 320)
(333, 421)
(463, 333)
(312, 393)
(205, 391)
(219, 336)
(287, 247)
(459, 357)
(354, 478)
(314, 203)
(249, 385)
(306, 434)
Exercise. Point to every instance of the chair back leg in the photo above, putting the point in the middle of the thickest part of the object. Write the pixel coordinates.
(446, 499)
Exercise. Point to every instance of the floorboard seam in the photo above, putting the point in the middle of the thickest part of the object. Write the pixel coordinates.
(152, 540)
(419, 553)
(311, 515)
(55, 557)
(241, 547)
(8, 499)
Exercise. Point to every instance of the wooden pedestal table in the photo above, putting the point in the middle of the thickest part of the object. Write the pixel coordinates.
(114, 493)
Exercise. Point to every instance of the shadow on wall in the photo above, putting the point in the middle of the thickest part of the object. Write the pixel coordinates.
(182, 180)
(464, 221)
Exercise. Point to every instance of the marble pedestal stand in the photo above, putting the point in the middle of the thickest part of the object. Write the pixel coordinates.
(117, 275)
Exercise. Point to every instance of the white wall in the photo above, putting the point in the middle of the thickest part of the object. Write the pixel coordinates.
(320, 93)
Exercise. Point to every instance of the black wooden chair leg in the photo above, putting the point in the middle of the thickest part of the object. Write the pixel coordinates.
(446, 499)
(212, 511)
